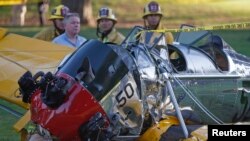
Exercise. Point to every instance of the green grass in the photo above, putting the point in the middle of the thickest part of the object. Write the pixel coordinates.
(238, 39)
(7, 120)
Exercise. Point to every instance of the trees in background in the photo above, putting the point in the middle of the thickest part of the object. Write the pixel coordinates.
(84, 8)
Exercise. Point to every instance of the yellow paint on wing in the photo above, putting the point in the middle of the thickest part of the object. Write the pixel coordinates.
(19, 54)
(3, 32)
(20, 124)
(154, 133)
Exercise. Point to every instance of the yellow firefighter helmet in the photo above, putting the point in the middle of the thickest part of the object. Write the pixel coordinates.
(106, 13)
(152, 8)
(59, 12)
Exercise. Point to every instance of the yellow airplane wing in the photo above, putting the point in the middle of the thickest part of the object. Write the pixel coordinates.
(19, 54)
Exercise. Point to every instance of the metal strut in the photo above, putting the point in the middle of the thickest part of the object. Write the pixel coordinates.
(176, 107)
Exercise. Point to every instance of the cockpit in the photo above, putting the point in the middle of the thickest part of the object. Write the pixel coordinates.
(193, 52)
(211, 48)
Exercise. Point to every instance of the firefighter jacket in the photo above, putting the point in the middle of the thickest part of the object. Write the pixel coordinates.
(168, 35)
(114, 36)
(48, 34)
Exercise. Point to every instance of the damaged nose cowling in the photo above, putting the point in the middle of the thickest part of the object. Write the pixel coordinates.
(74, 108)
(53, 89)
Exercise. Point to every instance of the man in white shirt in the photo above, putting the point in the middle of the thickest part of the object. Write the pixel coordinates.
(72, 28)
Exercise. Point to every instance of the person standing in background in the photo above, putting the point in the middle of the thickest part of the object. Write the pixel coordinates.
(70, 38)
(42, 7)
(152, 19)
(57, 16)
(18, 13)
(106, 31)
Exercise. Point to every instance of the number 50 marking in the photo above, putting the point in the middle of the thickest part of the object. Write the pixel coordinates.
(129, 92)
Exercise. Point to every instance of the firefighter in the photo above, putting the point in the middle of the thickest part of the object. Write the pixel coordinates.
(57, 16)
(152, 19)
(106, 31)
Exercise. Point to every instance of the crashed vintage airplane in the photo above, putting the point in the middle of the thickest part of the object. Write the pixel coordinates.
(140, 89)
